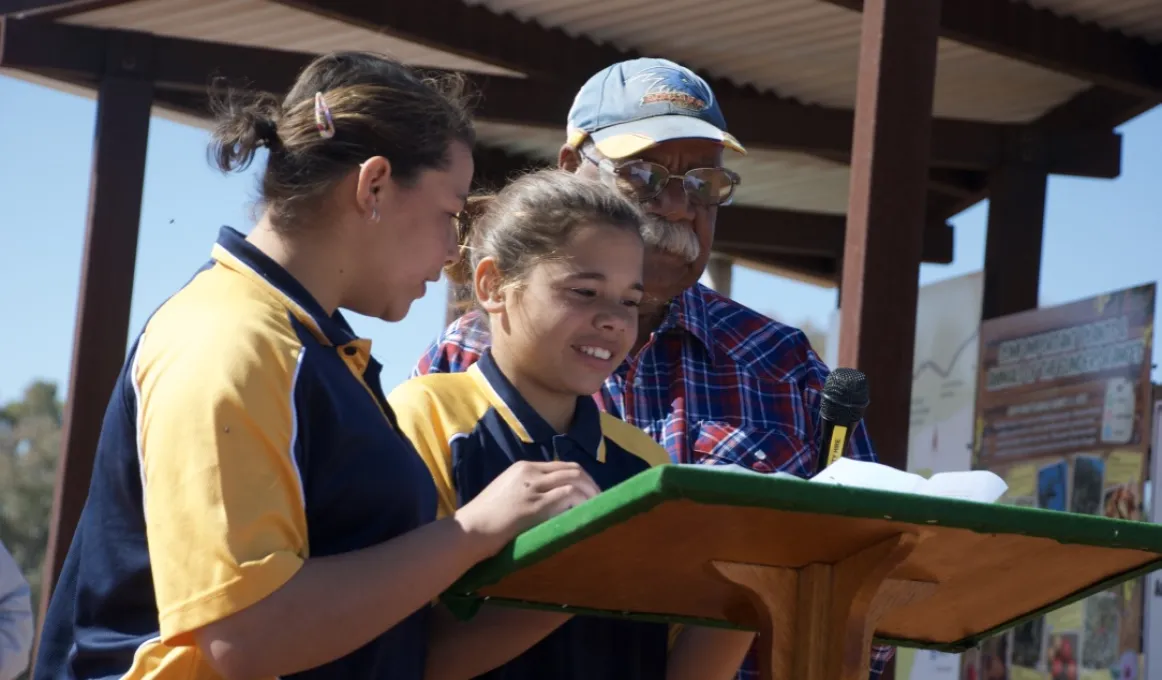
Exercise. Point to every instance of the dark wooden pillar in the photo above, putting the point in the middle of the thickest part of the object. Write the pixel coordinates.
(124, 99)
(720, 274)
(886, 210)
(1016, 227)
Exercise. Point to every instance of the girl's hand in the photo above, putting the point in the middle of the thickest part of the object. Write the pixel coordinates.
(523, 496)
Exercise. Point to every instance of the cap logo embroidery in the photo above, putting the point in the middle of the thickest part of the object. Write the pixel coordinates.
(670, 85)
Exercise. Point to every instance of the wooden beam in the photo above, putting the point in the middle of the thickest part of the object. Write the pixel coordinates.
(785, 232)
(474, 31)
(1098, 108)
(108, 262)
(741, 229)
(818, 271)
(21, 9)
(757, 118)
(1059, 43)
(764, 122)
(886, 215)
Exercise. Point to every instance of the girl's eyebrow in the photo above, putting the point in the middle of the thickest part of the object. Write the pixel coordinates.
(598, 276)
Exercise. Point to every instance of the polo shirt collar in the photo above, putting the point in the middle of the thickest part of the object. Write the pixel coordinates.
(524, 420)
(233, 251)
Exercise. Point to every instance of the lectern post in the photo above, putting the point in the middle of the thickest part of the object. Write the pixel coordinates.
(818, 620)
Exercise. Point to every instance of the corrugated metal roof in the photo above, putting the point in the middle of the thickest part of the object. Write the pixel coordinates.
(770, 179)
(279, 27)
(805, 49)
(1139, 18)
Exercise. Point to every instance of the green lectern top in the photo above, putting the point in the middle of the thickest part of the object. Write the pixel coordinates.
(695, 544)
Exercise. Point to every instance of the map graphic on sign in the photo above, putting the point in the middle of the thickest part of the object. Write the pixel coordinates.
(944, 375)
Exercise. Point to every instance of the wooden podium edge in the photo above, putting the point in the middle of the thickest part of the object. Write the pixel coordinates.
(698, 485)
(967, 643)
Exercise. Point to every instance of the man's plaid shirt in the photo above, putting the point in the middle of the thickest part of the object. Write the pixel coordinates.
(716, 384)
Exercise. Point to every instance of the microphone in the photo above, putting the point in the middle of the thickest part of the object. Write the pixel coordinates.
(845, 397)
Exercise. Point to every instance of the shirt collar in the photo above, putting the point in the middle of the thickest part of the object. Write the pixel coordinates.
(233, 251)
(524, 420)
(688, 312)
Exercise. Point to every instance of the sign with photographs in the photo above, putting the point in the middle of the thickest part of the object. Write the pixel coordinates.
(1063, 414)
(1152, 635)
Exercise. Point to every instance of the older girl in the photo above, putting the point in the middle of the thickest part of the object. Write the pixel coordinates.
(254, 512)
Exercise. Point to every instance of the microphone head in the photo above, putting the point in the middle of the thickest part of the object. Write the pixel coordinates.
(845, 396)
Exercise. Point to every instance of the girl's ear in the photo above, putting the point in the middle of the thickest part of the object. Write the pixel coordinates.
(487, 284)
(372, 187)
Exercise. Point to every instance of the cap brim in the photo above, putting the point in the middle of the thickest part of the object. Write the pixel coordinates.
(627, 139)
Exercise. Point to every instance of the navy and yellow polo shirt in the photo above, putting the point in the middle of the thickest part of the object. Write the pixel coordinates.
(469, 427)
(247, 431)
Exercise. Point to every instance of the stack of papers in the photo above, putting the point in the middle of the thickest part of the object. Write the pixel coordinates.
(981, 486)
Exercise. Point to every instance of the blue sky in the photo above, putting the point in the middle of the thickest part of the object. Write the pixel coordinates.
(1101, 235)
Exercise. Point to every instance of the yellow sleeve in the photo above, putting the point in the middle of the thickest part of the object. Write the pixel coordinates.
(223, 498)
(634, 440)
(419, 420)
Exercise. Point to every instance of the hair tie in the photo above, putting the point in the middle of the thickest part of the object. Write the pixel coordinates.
(266, 131)
(324, 123)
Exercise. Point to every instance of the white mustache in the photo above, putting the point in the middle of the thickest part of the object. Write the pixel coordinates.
(672, 238)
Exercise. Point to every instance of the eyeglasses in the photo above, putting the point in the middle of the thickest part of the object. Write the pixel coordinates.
(645, 181)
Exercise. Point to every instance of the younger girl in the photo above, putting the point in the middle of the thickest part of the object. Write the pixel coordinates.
(555, 260)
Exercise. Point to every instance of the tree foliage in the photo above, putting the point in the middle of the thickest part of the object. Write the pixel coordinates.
(30, 438)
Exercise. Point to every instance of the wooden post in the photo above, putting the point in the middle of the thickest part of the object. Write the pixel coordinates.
(817, 621)
(1016, 226)
(456, 303)
(886, 210)
(124, 100)
(719, 274)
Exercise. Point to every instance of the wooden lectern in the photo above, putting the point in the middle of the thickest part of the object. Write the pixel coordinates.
(818, 570)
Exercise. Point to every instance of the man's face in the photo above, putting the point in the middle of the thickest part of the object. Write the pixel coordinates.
(680, 233)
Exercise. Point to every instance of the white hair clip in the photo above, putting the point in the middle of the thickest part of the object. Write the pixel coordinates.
(324, 123)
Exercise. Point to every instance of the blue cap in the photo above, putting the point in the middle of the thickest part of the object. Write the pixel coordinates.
(635, 104)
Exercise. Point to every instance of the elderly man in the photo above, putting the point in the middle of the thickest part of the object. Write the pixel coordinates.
(711, 380)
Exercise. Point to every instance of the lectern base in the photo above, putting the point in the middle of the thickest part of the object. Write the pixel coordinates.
(818, 620)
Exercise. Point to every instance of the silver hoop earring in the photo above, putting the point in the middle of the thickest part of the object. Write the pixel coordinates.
(374, 213)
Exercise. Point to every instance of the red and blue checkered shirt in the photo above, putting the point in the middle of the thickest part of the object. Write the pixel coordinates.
(717, 383)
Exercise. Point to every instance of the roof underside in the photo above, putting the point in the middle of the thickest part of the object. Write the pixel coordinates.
(1008, 69)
